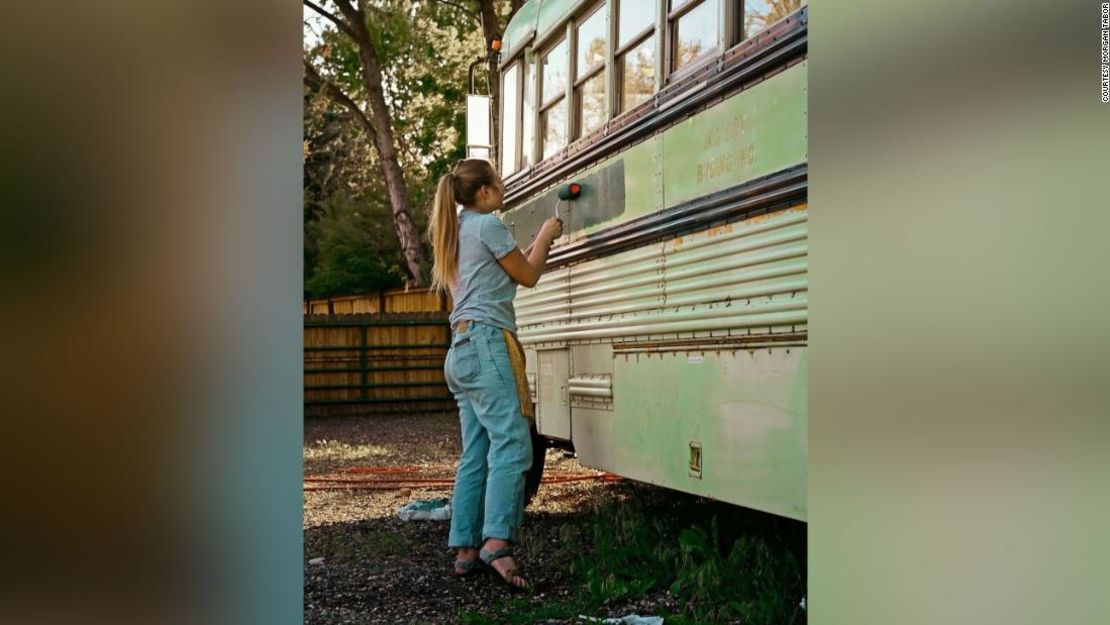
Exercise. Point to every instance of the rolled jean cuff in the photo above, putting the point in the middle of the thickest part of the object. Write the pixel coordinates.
(464, 542)
(500, 532)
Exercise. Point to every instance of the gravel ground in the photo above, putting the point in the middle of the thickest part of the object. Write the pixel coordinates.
(379, 569)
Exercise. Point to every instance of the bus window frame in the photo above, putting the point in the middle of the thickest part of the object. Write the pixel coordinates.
(529, 69)
(617, 75)
(578, 81)
(543, 106)
(518, 98)
(669, 95)
(519, 59)
(682, 4)
(739, 35)
(672, 41)
(730, 33)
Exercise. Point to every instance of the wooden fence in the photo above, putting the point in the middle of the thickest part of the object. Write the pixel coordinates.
(359, 364)
(394, 301)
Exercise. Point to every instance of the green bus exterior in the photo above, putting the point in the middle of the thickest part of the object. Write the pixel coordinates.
(667, 341)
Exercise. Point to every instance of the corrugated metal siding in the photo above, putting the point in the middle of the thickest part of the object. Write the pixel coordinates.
(749, 276)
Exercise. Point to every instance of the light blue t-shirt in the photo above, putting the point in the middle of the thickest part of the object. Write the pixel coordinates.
(484, 292)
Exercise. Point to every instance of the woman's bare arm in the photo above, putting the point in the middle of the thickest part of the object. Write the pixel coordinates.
(527, 267)
(525, 270)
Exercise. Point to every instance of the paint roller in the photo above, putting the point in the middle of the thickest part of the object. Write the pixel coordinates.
(567, 192)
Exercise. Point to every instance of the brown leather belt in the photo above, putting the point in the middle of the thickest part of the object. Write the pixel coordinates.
(461, 326)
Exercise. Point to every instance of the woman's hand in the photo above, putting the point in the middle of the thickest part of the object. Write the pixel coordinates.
(551, 229)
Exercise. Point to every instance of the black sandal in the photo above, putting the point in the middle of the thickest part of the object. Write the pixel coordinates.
(468, 568)
(488, 557)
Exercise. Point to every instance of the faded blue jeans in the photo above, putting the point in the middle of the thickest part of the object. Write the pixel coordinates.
(497, 449)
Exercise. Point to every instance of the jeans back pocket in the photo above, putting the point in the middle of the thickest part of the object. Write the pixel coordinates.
(463, 358)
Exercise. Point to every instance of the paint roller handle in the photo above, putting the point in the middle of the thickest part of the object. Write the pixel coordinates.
(551, 229)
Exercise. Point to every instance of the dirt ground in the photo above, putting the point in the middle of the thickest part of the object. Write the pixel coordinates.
(376, 568)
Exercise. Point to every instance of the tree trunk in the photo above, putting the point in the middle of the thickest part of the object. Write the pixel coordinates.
(383, 141)
(391, 167)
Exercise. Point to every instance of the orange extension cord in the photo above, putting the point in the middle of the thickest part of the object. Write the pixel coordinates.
(409, 477)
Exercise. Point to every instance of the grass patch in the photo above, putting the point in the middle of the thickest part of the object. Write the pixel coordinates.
(749, 573)
(724, 565)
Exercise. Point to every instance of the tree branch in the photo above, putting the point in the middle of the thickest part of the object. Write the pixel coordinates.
(343, 26)
(460, 7)
(317, 83)
(355, 17)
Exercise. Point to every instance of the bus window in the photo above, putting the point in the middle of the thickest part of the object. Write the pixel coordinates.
(510, 117)
(591, 102)
(591, 42)
(635, 54)
(693, 31)
(759, 14)
(554, 73)
(637, 74)
(553, 126)
(529, 115)
(553, 113)
(589, 83)
(632, 24)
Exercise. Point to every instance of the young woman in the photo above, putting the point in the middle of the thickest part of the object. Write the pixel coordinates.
(477, 258)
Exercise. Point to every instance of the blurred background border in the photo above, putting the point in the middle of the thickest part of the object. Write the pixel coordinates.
(152, 267)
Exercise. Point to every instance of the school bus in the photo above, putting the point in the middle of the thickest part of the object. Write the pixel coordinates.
(667, 340)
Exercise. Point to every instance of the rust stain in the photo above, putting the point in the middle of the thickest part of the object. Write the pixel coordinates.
(719, 230)
(758, 219)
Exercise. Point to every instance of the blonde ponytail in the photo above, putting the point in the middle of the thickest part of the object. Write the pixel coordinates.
(459, 186)
(443, 230)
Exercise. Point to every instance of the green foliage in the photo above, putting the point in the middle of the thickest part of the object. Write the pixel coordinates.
(629, 558)
(752, 583)
(746, 572)
(424, 49)
(356, 249)
(755, 579)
